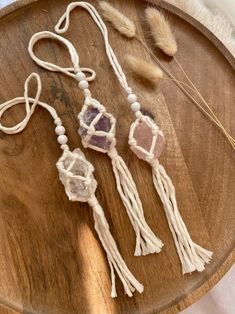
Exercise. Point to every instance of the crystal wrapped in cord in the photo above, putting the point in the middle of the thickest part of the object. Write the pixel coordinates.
(76, 173)
(147, 142)
(146, 139)
(97, 126)
(97, 129)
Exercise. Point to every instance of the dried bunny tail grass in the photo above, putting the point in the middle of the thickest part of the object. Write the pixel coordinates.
(119, 21)
(144, 69)
(161, 31)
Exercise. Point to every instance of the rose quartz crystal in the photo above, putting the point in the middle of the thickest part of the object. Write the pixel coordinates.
(144, 137)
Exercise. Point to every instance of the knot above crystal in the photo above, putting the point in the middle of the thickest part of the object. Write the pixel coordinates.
(146, 139)
(76, 174)
(97, 128)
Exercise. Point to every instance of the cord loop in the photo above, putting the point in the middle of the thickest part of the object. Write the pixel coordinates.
(28, 109)
(72, 71)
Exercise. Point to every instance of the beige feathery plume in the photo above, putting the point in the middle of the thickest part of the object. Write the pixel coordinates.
(119, 21)
(161, 31)
(165, 40)
(145, 70)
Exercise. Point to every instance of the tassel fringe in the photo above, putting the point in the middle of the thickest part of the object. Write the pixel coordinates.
(115, 260)
(192, 256)
(146, 241)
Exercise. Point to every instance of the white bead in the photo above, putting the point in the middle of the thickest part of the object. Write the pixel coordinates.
(135, 106)
(83, 84)
(62, 139)
(59, 130)
(132, 98)
(80, 76)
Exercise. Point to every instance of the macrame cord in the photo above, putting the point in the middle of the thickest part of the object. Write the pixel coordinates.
(97, 130)
(147, 141)
(76, 174)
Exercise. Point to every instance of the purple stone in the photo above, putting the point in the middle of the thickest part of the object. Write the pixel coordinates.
(100, 141)
(82, 131)
(102, 125)
(90, 115)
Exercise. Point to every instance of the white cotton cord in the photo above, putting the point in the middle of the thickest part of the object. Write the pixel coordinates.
(146, 241)
(78, 187)
(71, 72)
(65, 18)
(28, 109)
(114, 258)
(192, 256)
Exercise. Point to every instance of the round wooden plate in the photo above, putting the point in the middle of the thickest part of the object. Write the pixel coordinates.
(50, 258)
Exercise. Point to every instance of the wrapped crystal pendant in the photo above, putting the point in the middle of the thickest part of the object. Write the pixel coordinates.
(76, 174)
(146, 139)
(97, 127)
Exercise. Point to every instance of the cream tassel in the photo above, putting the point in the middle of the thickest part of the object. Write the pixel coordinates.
(115, 260)
(192, 256)
(146, 241)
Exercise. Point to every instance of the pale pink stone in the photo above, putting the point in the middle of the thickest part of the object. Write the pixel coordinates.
(144, 137)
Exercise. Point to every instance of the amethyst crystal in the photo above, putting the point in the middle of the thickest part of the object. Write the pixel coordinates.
(103, 124)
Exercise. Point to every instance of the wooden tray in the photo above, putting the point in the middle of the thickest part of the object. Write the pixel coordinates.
(50, 258)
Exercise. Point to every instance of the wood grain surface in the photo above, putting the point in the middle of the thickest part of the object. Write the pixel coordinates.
(50, 258)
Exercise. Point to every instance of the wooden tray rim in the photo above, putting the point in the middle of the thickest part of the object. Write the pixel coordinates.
(199, 26)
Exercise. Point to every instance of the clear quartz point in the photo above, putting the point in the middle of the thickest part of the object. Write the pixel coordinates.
(76, 174)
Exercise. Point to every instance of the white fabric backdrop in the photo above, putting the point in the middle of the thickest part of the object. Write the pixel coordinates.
(220, 300)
